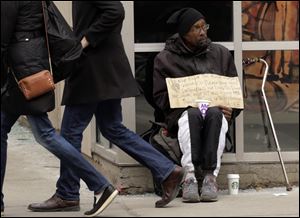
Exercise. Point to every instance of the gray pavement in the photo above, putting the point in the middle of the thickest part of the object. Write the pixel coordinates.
(32, 173)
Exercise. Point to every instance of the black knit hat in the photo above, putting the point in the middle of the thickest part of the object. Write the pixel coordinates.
(184, 19)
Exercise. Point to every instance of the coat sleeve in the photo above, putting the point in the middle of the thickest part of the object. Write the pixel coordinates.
(160, 92)
(111, 14)
(9, 13)
(231, 71)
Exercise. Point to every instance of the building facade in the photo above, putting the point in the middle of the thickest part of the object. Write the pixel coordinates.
(248, 29)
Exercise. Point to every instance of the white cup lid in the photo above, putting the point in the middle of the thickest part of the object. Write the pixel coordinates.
(233, 176)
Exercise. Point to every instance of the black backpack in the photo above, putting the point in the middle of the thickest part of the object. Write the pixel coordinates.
(169, 147)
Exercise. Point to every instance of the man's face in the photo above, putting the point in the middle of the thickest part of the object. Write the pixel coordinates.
(197, 34)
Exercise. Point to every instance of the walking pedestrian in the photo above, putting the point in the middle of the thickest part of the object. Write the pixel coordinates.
(96, 88)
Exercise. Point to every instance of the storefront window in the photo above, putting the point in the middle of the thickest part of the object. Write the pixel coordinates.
(270, 20)
(144, 103)
(150, 19)
(282, 91)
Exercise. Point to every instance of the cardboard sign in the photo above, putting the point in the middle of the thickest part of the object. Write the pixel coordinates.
(219, 90)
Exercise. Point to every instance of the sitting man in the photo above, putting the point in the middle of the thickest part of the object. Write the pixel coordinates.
(202, 142)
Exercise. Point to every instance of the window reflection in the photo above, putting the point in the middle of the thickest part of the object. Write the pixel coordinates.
(145, 107)
(150, 19)
(282, 91)
(270, 20)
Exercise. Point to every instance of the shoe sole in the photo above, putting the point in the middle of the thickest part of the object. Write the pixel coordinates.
(190, 200)
(208, 199)
(106, 203)
(66, 209)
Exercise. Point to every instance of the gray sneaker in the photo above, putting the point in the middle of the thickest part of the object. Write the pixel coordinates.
(209, 190)
(190, 192)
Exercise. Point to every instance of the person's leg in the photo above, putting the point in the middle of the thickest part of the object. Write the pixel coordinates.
(214, 133)
(45, 134)
(189, 138)
(7, 121)
(75, 120)
(109, 119)
(66, 198)
(190, 130)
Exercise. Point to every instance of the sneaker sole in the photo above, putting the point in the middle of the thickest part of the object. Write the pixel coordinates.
(208, 199)
(106, 203)
(191, 200)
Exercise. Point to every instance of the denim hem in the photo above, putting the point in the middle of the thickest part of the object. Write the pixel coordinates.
(168, 173)
(66, 198)
(101, 189)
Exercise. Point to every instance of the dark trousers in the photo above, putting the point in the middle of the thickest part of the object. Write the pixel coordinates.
(205, 137)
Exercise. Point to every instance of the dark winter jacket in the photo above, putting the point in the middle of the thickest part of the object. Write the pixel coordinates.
(104, 71)
(23, 49)
(177, 60)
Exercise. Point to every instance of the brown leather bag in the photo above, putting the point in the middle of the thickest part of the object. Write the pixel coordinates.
(37, 84)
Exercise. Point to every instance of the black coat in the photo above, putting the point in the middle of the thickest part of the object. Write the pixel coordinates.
(23, 49)
(103, 71)
(176, 60)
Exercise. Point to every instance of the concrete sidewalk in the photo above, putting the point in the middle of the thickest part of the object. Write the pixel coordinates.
(32, 173)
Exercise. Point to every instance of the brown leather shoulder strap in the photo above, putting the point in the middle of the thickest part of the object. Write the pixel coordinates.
(44, 4)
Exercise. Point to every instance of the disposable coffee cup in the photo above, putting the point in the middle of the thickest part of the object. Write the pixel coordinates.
(203, 105)
(233, 183)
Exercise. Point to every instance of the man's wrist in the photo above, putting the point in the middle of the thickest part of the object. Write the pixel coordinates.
(84, 42)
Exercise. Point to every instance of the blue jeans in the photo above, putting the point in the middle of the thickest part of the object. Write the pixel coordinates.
(46, 135)
(109, 119)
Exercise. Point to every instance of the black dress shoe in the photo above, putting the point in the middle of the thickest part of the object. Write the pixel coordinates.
(55, 204)
(171, 186)
(101, 203)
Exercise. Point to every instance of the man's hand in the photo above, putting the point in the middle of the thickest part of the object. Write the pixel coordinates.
(84, 43)
(227, 111)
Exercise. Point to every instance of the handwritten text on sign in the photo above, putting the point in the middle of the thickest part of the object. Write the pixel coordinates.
(219, 90)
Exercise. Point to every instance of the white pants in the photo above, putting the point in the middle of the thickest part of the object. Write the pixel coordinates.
(184, 139)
